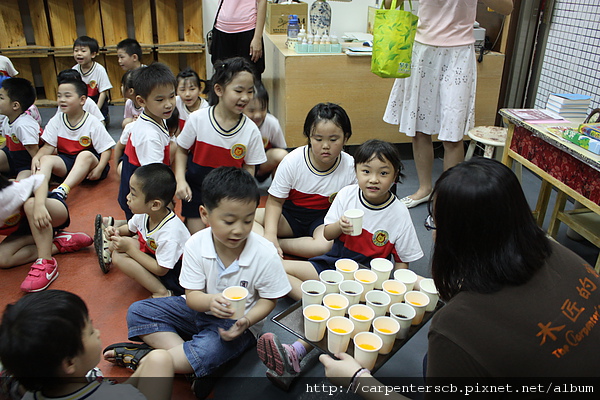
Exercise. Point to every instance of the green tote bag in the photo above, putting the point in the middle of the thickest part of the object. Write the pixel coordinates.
(393, 37)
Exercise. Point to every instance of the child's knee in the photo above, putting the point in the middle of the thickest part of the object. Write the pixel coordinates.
(86, 158)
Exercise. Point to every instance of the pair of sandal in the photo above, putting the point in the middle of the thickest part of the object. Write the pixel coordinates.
(128, 354)
(101, 242)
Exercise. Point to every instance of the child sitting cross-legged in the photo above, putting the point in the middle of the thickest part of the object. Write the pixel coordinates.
(49, 345)
(198, 329)
(387, 231)
(153, 256)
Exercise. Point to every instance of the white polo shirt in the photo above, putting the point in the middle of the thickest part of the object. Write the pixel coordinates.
(259, 269)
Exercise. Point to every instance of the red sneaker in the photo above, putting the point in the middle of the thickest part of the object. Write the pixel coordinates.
(41, 275)
(68, 242)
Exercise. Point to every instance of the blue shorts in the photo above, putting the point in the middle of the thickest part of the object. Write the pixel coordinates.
(17, 160)
(301, 227)
(69, 161)
(203, 346)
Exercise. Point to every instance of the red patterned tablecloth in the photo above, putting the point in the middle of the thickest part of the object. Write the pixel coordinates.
(557, 163)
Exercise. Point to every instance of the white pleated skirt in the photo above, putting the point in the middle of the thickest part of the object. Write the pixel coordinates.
(439, 96)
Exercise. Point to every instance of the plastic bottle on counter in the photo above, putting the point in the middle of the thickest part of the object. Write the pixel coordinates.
(292, 31)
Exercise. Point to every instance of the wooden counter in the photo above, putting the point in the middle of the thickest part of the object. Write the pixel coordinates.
(296, 82)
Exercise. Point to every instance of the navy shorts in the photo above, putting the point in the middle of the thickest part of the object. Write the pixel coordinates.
(69, 161)
(302, 227)
(17, 160)
(203, 346)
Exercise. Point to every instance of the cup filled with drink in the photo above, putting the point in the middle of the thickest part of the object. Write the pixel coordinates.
(236, 296)
(315, 320)
(366, 349)
(339, 330)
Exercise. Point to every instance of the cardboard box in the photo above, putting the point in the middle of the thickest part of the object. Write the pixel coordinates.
(277, 16)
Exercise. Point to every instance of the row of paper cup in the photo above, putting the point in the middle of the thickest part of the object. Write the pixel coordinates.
(367, 345)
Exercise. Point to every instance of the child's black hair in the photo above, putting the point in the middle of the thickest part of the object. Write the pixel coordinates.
(173, 121)
(21, 90)
(151, 77)
(383, 151)
(225, 71)
(261, 94)
(327, 112)
(68, 74)
(129, 77)
(38, 333)
(131, 47)
(188, 73)
(86, 41)
(80, 86)
(157, 182)
(229, 183)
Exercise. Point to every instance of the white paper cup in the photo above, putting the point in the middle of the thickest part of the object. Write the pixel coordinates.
(236, 295)
(383, 268)
(407, 277)
(352, 290)
(366, 349)
(339, 330)
(367, 278)
(315, 320)
(395, 289)
(386, 328)
(331, 279)
(346, 267)
(419, 301)
(361, 315)
(427, 286)
(312, 292)
(355, 217)
(404, 314)
(336, 303)
(378, 301)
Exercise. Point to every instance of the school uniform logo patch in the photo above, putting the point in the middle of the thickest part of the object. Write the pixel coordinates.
(332, 197)
(152, 244)
(380, 238)
(238, 151)
(244, 284)
(12, 220)
(14, 138)
(85, 141)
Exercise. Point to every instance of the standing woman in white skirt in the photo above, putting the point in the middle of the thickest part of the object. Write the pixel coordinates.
(439, 96)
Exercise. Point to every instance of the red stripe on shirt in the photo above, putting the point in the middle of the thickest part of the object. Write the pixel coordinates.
(309, 200)
(363, 244)
(208, 155)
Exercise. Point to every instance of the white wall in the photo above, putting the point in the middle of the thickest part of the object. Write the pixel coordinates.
(345, 17)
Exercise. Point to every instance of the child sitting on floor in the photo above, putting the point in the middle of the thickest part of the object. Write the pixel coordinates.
(82, 143)
(270, 130)
(197, 329)
(132, 109)
(387, 231)
(189, 86)
(48, 344)
(149, 140)
(21, 130)
(129, 54)
(89, 104)
(25, 242)
(153, 258)
(85, 49)
(306, 182)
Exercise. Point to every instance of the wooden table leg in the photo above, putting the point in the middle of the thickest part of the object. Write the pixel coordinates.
(542, 203)
(561, 200)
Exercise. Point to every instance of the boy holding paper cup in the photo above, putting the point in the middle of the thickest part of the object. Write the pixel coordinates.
(198, 329)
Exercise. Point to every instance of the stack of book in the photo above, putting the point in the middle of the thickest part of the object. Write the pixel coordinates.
(569, 106)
